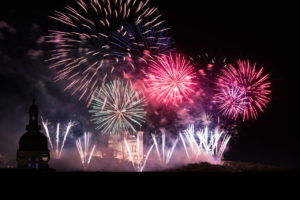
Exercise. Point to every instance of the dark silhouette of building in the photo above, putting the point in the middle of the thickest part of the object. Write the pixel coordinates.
(33, 152)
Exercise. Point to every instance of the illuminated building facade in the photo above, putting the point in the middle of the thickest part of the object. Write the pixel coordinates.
(120, 151)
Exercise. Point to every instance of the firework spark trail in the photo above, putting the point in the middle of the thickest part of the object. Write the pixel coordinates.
(58, 150)
(129, 152)
(206, 141)
(91, 155)
(45, 125)
(171, 79)
(189, 141)
(242, 91)
(83, 150)
(138, 145)
(147, 156)
(79, 148)
(163, 144)
(97, 36)
(184, 145)
(57, 137)
(190, 137)
(70, 125)
(85, 144)
(212, 143)
(118, 107)
(139, 167)
(156, 146)
(223, 146)
(170, 153)
(163, 158)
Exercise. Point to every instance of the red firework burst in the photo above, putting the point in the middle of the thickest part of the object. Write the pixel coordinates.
(242, 91)
(171, 79)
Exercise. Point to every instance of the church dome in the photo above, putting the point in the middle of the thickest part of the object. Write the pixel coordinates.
(33, 142)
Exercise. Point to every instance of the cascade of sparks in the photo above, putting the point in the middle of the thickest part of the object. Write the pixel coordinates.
(91, 39)
(84, 150)
(212, 143)
(164, 155)
(57, 149)
(171, 79)
(118, 107)
(140, 165)
(242, 91)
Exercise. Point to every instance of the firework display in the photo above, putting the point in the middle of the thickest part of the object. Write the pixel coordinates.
(171, 79)
(59, 146)
(242, 91)
(84, 150)
(118, 107)
(99, 39)
(119, 57)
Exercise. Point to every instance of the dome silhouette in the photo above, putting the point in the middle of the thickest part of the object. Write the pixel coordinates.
(33, 142)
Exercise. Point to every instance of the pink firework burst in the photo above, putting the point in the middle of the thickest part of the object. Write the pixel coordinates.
(171, 79)
(232, 102)
(242, 91)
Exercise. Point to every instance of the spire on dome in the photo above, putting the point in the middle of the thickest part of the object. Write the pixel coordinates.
(33, 118)
(33, 100)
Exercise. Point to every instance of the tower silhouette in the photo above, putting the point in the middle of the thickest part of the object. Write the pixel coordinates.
(33, 152)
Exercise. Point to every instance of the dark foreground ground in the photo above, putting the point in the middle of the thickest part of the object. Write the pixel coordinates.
(236, 172)
(229, 168)
(191, 181)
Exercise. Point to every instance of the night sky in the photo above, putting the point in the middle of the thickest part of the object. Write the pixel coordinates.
(265, 34)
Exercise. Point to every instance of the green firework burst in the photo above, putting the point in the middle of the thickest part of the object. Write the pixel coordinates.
(118, 107)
